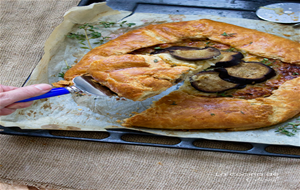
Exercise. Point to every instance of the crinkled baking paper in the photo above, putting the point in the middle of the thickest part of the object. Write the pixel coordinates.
(89, 113)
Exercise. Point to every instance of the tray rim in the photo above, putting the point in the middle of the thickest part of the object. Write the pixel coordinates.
(116, 134)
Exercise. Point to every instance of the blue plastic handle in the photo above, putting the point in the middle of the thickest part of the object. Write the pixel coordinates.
(51, 93)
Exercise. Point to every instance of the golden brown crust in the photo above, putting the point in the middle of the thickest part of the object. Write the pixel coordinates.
(124, 44)
(179, 110)
(285, 101)
(136, 77)
(251, 41)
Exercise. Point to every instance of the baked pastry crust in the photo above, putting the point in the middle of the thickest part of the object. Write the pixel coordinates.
(248, 40)
(136, 77)
(181, 110)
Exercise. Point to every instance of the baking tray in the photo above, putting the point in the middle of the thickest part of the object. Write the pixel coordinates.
(230, 8)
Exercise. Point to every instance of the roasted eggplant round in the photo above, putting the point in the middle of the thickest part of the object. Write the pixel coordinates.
(209, 81)
(190, 53)
(172, 48)
(246, 73)
(230, 59)
(157, 51)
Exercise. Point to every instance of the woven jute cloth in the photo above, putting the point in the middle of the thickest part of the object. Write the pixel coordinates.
(69, 164)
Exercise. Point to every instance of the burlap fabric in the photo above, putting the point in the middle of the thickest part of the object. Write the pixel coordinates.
(67, 164)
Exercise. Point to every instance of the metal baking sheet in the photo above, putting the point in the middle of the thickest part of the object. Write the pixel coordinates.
(185, 142)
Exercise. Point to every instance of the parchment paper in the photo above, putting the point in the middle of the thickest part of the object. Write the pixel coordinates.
(89, 113)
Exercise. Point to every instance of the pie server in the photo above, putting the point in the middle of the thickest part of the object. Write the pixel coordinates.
(81, 84)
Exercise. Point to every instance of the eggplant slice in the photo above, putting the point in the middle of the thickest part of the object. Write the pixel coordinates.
(230, 59)
(173, 48)
(209, 81)
(190, 53)
(247, 73)
(157, 51)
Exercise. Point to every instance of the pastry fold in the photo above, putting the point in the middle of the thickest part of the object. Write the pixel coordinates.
(138, 77)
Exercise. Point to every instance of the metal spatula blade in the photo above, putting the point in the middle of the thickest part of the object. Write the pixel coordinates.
(88, 85)
(82, 84)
